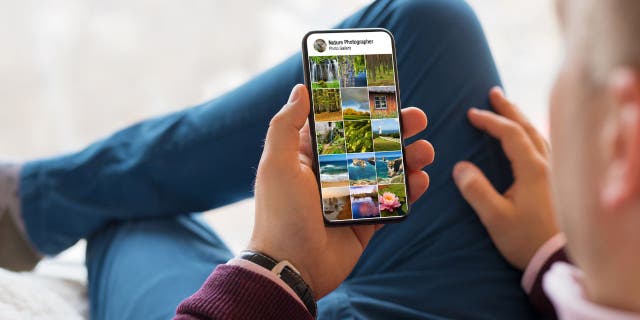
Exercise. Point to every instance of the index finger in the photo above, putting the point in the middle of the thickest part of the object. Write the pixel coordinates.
(516, 144)
(505, 107)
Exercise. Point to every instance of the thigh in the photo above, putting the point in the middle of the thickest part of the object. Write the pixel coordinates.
(144, 269)
(440, 261)
(188, 161)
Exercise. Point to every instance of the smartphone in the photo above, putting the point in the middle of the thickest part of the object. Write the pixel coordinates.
(355, 125)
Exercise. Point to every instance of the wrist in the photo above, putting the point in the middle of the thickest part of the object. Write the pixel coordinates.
(539, 258)
(287, 272)
(278, 256)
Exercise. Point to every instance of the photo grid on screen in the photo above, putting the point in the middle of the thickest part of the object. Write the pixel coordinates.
(358, 136)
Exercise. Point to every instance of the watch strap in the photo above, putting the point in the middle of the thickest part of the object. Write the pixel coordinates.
(287, 272)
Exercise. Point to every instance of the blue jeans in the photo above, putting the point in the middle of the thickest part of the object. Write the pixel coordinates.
(131, 194)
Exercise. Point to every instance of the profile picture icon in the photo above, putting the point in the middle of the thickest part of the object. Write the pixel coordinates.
(320, 45)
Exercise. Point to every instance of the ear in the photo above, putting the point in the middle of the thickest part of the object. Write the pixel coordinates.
(621, 136)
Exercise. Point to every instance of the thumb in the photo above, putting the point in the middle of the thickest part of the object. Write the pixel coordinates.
(478, 191)
(284, 129)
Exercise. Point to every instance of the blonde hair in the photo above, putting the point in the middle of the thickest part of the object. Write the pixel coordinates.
(613, 36)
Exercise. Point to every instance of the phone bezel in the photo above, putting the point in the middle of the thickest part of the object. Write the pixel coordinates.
(312, 128)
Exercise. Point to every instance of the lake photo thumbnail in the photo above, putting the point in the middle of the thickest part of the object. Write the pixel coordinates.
(364, 202)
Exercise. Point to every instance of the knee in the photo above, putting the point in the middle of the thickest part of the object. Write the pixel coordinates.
(434, 14)
(424, 27)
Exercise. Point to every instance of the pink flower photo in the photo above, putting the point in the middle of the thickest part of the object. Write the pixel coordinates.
(389, 201)
(392, 199)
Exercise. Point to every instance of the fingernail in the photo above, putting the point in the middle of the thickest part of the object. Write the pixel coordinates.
(295, 93)
(460, 172)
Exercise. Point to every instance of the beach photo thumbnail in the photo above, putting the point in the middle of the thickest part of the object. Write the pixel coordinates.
(364, 202)
(392, 200)
(324, 72)
(362, 168)
(330, 137)
(352, 71)
(358, 136)
(336, 203)
(333, 170)
(389, 167)
(326, 104)
(382, 101)
(380, 70)
(355, 103)
(386, 134)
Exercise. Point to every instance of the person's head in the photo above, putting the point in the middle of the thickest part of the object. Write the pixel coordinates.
(595, 134)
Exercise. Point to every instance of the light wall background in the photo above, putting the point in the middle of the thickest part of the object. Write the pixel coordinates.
(72, 71)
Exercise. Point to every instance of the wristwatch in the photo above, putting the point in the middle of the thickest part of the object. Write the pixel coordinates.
(288, 273)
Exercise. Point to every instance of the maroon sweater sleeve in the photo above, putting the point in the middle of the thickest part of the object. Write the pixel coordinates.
(538, 298)
(232, 292)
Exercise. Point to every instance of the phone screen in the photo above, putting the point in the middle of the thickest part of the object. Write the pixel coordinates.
(356, 126)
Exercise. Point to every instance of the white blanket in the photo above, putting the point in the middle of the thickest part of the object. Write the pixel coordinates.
(57, 289)
(33, 297)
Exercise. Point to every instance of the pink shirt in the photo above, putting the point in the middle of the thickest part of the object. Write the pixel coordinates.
(563, 286)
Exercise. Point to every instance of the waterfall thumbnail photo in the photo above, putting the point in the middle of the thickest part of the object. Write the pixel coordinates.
(324, 72)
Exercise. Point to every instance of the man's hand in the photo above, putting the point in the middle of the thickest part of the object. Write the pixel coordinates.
(521, 220)
(289, 224)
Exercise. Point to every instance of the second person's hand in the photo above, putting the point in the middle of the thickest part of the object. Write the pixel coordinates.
(521, 220)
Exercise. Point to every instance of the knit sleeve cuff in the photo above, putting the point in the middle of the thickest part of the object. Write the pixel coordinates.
(270, 275)
(540, 258)
(234, 292)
